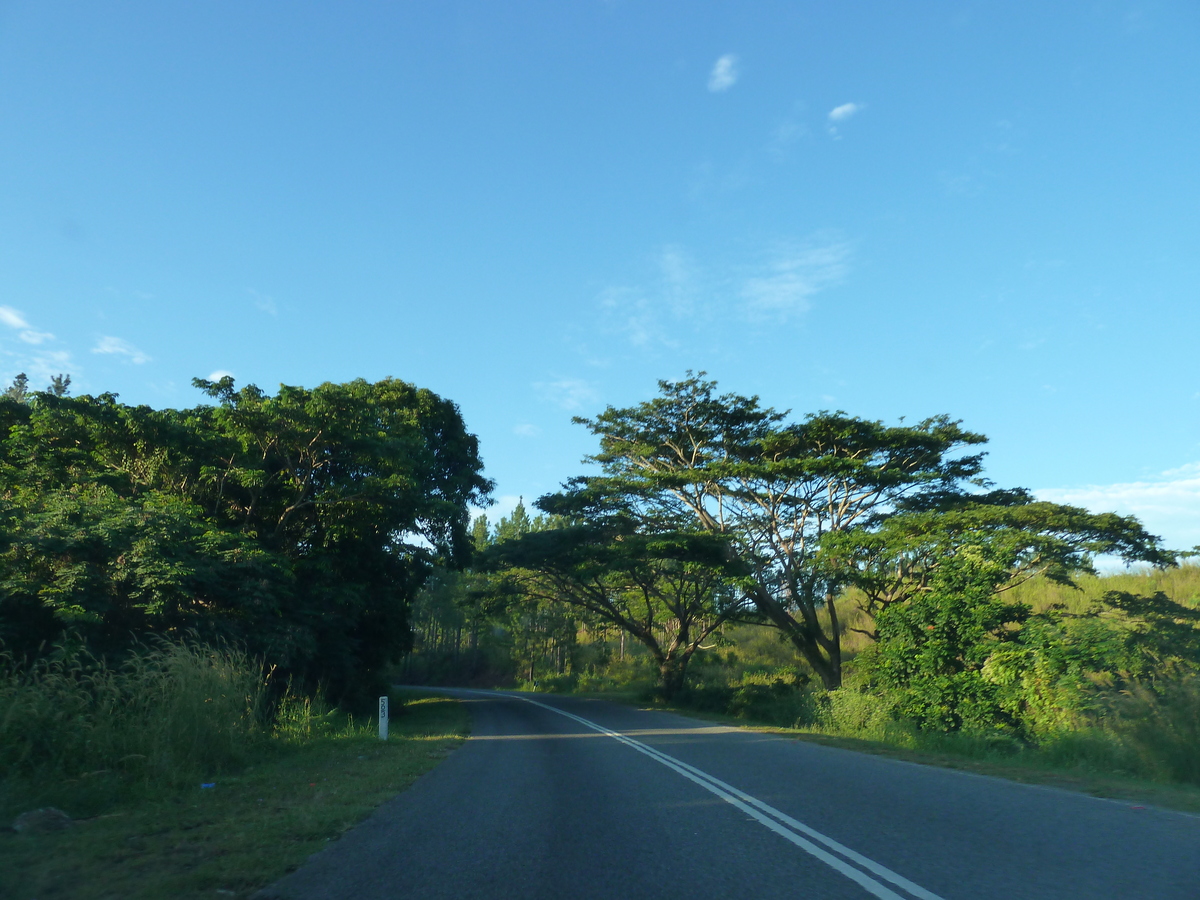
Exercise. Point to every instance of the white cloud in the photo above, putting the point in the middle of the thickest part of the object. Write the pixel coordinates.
(845, 111)
(569, 393)
(795, 273)
(1168, 505)
(527, 430)
(724, 74)
(219, 374)
(12, 318)
(118, 347)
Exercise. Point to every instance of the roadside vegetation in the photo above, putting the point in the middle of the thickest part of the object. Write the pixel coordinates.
(849, 579)
(198, 609)
(224, 818)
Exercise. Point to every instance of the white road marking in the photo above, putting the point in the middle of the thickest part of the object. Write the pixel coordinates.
(779, 822)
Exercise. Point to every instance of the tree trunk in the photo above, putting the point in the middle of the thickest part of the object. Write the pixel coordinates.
(670, 676)
(827, 666)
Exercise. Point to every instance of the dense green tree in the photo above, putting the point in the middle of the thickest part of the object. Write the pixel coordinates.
(894, 560)
(932, 650)
(958, 655)
(299, 524)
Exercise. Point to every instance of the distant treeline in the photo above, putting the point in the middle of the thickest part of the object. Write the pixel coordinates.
(296, 526)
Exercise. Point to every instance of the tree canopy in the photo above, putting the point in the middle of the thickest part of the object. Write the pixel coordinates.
(812, 506)
(298, 525)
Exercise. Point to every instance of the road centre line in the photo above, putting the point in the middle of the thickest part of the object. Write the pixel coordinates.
(777, 821)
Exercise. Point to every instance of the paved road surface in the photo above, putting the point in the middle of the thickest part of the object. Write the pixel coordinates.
(557, 797)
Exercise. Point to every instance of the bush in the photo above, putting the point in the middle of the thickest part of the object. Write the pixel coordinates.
(557, 684)
(776, 700)
(854, 714)
(170, 712)
(1161, 729)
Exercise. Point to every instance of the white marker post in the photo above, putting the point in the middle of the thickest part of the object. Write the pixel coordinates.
(383, 718)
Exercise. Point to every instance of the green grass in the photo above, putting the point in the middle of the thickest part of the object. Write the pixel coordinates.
(166, 714)
(255, 825)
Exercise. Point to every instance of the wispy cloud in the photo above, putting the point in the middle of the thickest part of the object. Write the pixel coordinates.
(12, 318)
(789, 130)
(569, 393)
(40, 365)
(527, 430)
(263, 302)
(1168, 505)
(219, 374)
(844, 112)
(684, 298)
(645, 314)
(15, 319)
(792, 275)
(118, 347)
(724, 74)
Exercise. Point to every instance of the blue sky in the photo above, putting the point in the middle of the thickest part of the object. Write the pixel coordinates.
(990, 210)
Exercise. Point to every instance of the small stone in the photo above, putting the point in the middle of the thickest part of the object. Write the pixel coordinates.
(41, 821)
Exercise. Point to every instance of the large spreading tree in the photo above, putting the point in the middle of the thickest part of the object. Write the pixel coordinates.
(808, 508)
(669, 590)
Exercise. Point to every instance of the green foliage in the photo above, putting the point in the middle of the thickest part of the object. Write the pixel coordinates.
(298, 525)
(774, 491)
(669, 590)
(831, 501)
(960, 656)
(932, 650)
(167, 715)
(1161, 727)
(891, 561)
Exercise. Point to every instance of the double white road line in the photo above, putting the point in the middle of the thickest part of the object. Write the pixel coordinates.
(858, 868)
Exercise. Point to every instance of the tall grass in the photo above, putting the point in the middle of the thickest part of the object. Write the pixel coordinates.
(1161, 730)
(169, 712)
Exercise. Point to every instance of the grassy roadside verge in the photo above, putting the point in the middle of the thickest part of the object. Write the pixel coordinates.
(244, 833)
(1029, 769)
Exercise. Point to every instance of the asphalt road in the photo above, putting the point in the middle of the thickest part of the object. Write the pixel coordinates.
(556, 797)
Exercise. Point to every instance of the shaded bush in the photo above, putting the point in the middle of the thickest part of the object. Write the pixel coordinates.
(167, 713)
(1160, 728)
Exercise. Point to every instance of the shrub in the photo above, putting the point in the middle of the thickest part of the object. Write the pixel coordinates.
(853, 713)
(1161, 729)
(169, 712)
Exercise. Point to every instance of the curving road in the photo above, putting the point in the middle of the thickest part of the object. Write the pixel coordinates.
(557, 797)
